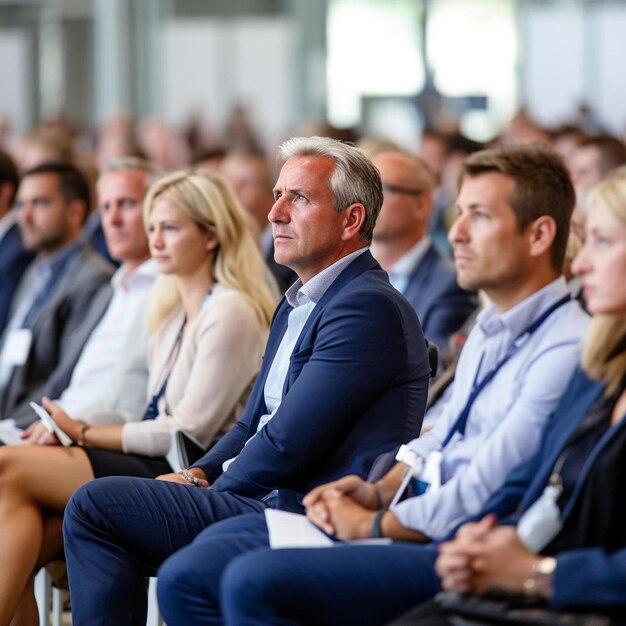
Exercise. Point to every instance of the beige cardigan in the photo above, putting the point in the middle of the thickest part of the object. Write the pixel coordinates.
(211, 378)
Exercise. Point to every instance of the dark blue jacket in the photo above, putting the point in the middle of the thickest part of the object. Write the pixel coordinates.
(13, 261)
(586, 576)
(441, 305)
(356, 387)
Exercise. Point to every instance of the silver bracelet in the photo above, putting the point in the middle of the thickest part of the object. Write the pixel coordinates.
(190, 479)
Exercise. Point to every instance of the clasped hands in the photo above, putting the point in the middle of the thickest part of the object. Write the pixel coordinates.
(344, 508)
(483, 556)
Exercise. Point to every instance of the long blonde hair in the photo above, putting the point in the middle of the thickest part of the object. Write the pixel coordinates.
(604, 352)
(208, 199)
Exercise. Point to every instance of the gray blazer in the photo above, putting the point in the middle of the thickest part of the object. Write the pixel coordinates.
(59, 334)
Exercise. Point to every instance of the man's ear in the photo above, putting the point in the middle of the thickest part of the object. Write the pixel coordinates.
(542, 235)
(78, 212)
(354, 216)
(424, 206)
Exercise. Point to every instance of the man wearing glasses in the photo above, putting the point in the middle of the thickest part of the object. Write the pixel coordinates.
(404, 249)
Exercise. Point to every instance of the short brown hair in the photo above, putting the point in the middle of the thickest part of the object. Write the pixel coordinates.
(542, 187)
(611, 151)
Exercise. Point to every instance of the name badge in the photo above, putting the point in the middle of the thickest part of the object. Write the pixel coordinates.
(421, 475)
(17, 347)
(541, 523)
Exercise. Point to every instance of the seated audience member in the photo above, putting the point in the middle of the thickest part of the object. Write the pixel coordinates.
(250, 176)
(580, 565)
(58, 287)
(595, 158)
(509, 239)
(210, 311)
(344, 379)
(89, 363)
(14, 259)
(404, 249)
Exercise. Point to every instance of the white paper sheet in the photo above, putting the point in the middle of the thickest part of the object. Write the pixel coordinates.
(10, 433)
(291, 530)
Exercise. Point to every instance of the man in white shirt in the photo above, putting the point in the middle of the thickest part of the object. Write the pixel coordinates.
(115, 312)
(509, 239)
(404, 249)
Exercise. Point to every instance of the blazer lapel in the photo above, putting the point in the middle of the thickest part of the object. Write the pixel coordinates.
(277, 330)
(361, 264)
(420, 279)
(584, 402)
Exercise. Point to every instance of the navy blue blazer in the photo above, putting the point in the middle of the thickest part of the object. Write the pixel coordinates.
(441, 305)
(356, 387)
(588, 576)
(14, 259)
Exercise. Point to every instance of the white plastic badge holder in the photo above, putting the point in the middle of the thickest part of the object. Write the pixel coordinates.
(432, 470)
(541, 523)
(415, 467)
(50, 424)
(17, 346)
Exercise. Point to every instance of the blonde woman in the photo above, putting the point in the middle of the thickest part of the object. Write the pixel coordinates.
(210, 311)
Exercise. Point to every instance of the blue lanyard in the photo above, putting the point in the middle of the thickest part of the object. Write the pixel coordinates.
(153, 407)
(461, 422)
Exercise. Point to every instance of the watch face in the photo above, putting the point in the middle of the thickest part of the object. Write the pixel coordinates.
(547, 565)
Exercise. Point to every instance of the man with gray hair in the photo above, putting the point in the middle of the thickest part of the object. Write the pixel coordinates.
(83, 379)
(344, 378)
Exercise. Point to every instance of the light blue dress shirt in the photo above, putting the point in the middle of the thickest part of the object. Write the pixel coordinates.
(400, 272)
(506, 420)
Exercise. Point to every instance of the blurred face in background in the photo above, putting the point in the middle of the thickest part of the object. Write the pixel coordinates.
(47, 221)
(120, 202)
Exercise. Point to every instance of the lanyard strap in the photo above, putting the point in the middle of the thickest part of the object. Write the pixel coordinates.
(461, 422)
(152, 411)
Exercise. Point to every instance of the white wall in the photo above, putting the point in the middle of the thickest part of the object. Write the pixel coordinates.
(211, 64)
(573, 53)
(15, 89)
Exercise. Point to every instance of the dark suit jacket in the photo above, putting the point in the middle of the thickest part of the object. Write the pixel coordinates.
(356, 387)
(441, 305)
(60, 377)
(57, 332)
(589, 576)
(13, 261)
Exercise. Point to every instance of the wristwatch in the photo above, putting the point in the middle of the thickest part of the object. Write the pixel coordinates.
(540, 583)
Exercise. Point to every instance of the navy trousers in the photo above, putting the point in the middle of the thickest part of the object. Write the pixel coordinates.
(229, 575)
(119, 530)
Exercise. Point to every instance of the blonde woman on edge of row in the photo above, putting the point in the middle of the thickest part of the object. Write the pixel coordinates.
(208, 319)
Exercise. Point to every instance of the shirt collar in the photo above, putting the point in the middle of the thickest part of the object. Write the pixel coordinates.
(316, 287)
(404, 266)
(53, 263)
(521, 316)
(124, 277)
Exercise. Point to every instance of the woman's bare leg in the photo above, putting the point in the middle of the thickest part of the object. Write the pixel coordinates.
(26, 613)
(34, 481)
